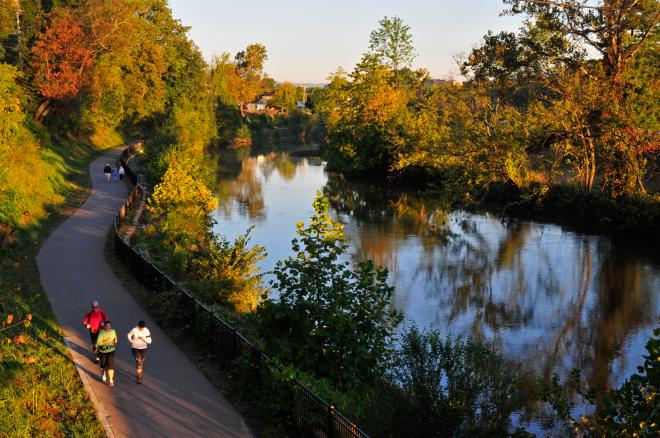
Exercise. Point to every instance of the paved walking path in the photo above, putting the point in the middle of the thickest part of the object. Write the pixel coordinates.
(175, 399)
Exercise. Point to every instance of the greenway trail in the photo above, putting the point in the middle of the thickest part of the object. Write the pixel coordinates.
(175, 399)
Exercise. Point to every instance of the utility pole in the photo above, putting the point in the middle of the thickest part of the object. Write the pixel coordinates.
(19, 46)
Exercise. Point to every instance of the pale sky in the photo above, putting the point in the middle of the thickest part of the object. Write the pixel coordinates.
(307, 40)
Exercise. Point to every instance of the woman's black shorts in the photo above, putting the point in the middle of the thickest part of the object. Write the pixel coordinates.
(107, 360)
(139, 354)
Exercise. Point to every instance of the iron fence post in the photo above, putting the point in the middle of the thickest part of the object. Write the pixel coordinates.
(234, 341)
(331, 422)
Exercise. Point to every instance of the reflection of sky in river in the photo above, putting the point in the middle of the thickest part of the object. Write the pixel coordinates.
(551, 298)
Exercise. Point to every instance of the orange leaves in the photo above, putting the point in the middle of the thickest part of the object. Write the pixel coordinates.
(383, 105)
(61, 58)
(11, 322)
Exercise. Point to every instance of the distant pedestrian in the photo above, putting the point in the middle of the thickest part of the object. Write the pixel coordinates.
(107, 169)
(115, 177)
(140, 339)
(106, 343)
(121, 172)
(93, 320)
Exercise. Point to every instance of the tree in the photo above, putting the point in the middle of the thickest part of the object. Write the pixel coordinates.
(250, 66)
(61, 58)
(616, 29)
(329, 319)
(180, 206)
(392, 43)
(223, 78)
(286, 96)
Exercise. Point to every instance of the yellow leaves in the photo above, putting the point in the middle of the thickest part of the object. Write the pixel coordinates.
(20, 339)
(178, 187)
(31, 360)
(382, 105)
(7, 323)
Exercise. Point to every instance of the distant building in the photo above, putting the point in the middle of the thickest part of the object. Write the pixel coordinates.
(453, 82)
(264, 99)
(255, 107)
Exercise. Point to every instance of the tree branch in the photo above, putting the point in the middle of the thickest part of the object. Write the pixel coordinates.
(562, 5)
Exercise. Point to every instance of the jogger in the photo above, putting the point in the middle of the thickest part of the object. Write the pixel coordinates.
(140, 339)
(106, 344)
(107, 170)
(93, 321)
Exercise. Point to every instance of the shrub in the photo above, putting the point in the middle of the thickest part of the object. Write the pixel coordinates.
(228, 273)
(330, 320)
(452, 387)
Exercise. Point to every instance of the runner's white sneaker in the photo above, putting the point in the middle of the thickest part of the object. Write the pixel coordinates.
(104, 378)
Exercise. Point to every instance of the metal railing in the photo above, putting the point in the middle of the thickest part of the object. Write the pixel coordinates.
(310, 415)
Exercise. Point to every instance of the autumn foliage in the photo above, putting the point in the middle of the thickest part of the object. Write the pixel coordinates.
(61, 58)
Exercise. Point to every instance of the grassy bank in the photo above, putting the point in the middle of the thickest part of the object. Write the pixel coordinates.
(40, 391)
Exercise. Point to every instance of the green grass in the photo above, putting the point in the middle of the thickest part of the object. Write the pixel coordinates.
(40, 391)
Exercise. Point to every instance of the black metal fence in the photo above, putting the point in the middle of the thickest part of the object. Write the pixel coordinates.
(310, 415)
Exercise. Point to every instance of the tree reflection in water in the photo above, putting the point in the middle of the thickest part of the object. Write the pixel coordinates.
(552, 299)
(549, 298)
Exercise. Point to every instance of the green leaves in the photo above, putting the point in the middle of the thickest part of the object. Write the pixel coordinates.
(453, 387)
(392, 43)
(330, 319)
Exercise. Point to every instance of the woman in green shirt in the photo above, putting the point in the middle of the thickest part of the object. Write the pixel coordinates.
(106, 346)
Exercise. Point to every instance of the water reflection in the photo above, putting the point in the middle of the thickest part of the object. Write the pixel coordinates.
(550, 298)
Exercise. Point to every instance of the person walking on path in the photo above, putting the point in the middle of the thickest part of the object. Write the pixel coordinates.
(93, 320)
(140, 339)
(107, 170)
(121, 172)
(106, 343)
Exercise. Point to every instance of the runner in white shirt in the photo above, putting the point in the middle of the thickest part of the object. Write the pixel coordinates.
(140, 339)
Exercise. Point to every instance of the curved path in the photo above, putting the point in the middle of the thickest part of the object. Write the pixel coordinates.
(176, 399)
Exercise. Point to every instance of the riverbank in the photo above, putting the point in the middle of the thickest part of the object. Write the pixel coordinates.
(40, 389)
(631, 218)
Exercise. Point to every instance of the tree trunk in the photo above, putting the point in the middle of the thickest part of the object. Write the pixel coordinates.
(42, 110)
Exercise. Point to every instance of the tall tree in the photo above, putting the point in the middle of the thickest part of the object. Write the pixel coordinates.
(250, 65)
(616, 29)
(61, 59)
(286, 95)
(392, 43)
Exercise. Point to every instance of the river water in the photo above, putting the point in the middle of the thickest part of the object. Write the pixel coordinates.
(550, 298)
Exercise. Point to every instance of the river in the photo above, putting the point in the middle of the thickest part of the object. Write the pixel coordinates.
(548, 297)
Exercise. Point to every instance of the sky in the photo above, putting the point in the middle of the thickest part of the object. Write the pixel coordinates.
(307, 40)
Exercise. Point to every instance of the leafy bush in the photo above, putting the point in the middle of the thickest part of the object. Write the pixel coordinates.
(453, 387)
(228, 273)
(180, 207)
(330, 320)
(28, 175)
(630, 410)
